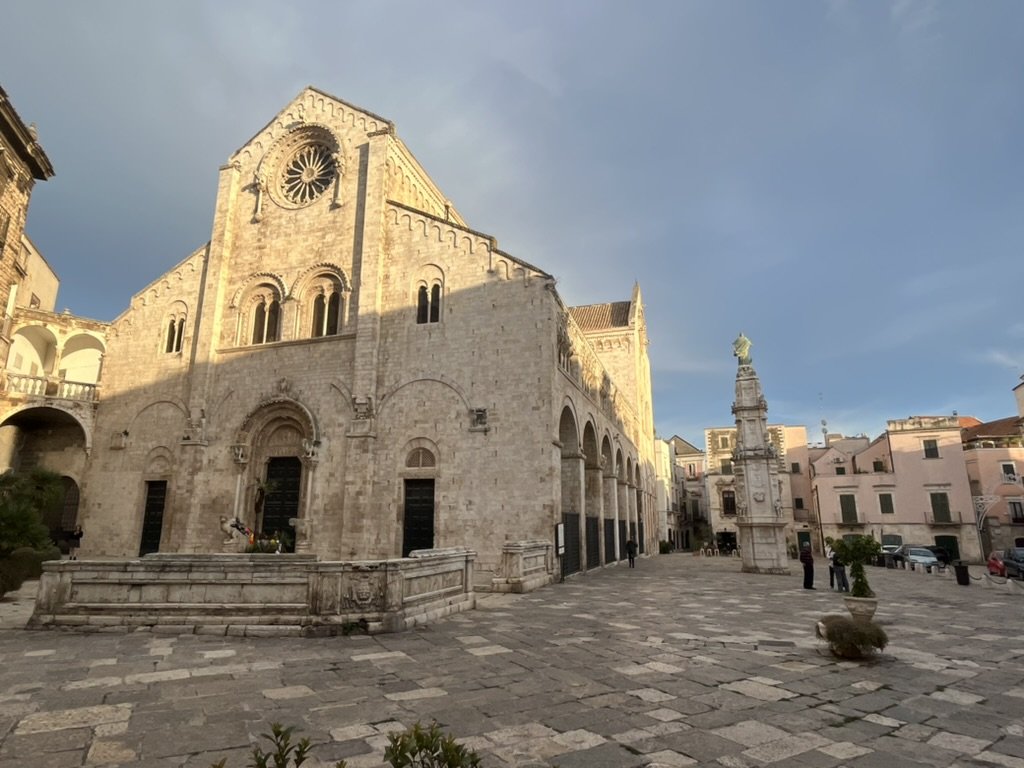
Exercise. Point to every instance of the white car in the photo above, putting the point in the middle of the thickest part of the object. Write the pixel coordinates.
(921, 556)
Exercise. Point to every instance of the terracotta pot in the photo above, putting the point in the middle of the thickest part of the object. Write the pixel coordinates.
(861, 607)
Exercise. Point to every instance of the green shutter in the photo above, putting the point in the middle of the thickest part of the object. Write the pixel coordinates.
(885, 503)
(848, 505)
(940, 508)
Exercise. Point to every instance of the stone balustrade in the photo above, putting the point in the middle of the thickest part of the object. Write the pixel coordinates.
(525, 566)
(254, 594)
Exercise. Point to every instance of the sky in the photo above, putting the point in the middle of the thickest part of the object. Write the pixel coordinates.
(842, 181)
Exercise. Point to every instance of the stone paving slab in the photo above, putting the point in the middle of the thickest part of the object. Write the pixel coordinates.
(682, 661)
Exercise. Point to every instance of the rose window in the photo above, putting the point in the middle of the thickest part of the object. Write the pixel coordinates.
(308, 173)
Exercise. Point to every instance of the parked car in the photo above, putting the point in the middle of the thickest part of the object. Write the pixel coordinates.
(995, 563)
(1013, 562)
(922, 556)
(941, 554)
(895, 550)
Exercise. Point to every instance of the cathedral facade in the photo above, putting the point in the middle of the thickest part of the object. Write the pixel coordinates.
(348, 366)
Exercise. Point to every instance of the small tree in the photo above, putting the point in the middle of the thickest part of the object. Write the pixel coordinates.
(855, 551)
(23, 497)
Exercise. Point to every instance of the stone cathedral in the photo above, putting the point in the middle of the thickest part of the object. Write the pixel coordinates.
(349, 365)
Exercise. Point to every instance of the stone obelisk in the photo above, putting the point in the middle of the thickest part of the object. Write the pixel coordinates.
(762, 528)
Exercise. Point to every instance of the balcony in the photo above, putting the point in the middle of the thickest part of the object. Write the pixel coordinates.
(851, 522)
(49, 388)
(944, 518)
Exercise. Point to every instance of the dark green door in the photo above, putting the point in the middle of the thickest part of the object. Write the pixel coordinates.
(951, 544)
(153, 517)
(418, 530)
(281, 504)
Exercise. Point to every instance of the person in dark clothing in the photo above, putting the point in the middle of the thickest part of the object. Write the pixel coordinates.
(74, 542)
(808, 562)
(842, 584)
(631, 553)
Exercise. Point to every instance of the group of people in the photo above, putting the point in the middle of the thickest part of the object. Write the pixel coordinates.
(836, 569)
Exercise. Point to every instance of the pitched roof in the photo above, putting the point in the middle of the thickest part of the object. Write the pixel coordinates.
(1008, 427)
(598, 317)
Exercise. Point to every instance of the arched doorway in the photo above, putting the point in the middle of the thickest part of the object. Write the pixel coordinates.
(278, 441)
(572, 490)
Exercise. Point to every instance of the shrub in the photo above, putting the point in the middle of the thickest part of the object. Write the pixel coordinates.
(420, 747)
(416, 747)
(664, 547)
(284, 755)
(23, 497)
(850, 638)
(31, 560)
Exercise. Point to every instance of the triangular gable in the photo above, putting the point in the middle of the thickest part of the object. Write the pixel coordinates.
(308, 106)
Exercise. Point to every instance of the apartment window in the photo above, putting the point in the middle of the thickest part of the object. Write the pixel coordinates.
(34, 302)
(728, 503)
(726, 467)
(885, 504)
(878, 465)
(795, 467)
(931, 449)
(840, 470)
(691, 470)
(1010, 472)
(798, 502)
(940, 507)
(1016, 511)
(848, 507)
(723, 441)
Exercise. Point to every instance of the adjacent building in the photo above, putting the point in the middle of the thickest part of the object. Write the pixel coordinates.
(907, 486)
(994, 456)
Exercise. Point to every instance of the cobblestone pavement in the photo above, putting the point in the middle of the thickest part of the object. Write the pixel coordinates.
(681, 661)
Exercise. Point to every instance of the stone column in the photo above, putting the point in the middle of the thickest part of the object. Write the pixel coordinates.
(611, 506)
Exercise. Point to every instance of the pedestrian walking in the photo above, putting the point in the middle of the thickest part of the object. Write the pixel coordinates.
(808, 562)
(631, 553)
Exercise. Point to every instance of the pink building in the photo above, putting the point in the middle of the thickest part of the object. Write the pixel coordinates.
(907, 486)
(994, 455)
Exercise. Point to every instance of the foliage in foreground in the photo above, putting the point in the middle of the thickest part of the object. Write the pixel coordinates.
(24, 564)
(417, 747)
(850, 638)
(24, 496)
(420, 747)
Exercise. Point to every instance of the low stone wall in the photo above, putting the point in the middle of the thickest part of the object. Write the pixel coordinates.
(525, 566)
(249, 594)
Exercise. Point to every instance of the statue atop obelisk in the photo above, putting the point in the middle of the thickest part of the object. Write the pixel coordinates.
(759, 520)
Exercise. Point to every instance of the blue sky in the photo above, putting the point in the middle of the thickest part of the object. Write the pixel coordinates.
(842, 181)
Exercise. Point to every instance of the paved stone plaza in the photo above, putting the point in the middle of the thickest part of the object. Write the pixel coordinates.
(681, 661)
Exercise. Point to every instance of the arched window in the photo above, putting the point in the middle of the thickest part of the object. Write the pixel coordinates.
(327, 313)
(420, 458)
(266, 320)
(428, 303)
(174, 338)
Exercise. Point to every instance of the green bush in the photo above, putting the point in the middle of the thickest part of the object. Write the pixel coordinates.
(664, 547)
(850, 638)
(416, 747)
(420, 747)
(284, 754)
(23, 497)
(32, 560)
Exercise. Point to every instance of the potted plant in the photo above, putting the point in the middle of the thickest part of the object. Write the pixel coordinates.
(855, 552)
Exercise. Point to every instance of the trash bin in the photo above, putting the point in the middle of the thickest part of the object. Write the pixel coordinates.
(963, 578)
